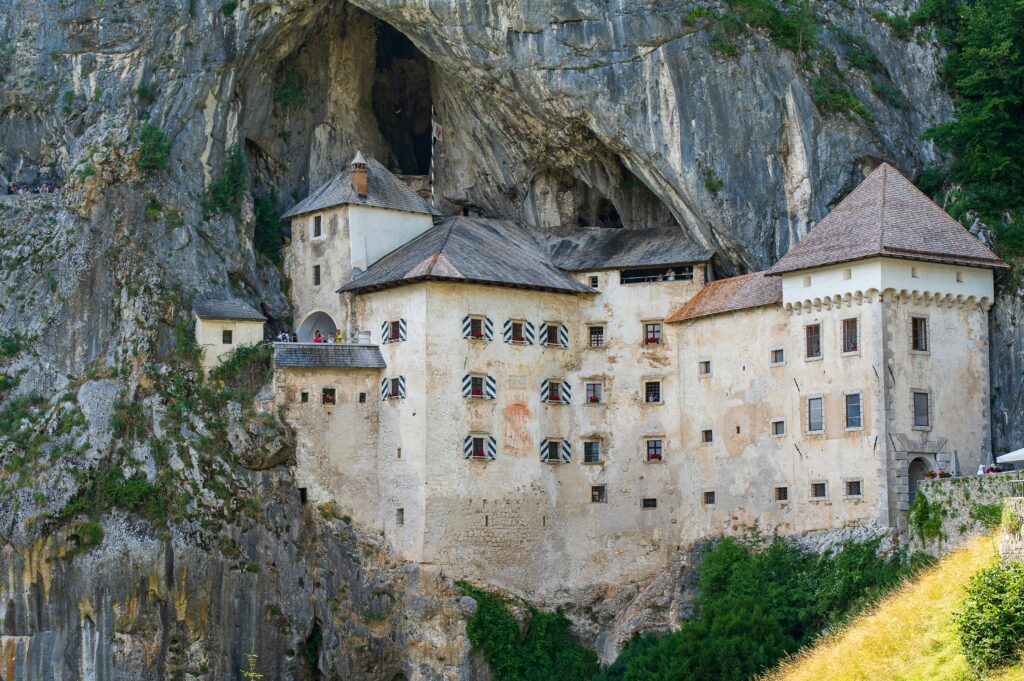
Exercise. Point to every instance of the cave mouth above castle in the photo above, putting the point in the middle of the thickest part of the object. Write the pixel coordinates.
(401, 101)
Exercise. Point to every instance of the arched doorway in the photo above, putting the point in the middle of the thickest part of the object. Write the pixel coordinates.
(915, 472)
(316, 321)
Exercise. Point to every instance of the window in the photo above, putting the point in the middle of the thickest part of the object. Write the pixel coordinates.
(853, 488)
(652, 333)
(517, 332)
(807, 280)
(812, 338)
(778, 356)
(652, 392)
(225, 336)
(851, 342)
(652, 274)
(595, 336)
(655, 452)
(854, 416)
(781, 494)
(476, 386)
(592, 451)
(551, 334)
(476, 327)
(922, 418)
(555, 451)
(819, 490)
(913, 272)
(649, 503)
(815, 415)
(919, 334)
(594, 281)
(960, 277)
(393, 331)
(595, 392)
(478, 447)
(395, 387)
(328, 396)
(316, 275)
(778, 427)
(362, 398)
(598, 494)
(392, 388)
(479, 386)
(704, 367)
(399, 516)
(317, 227)
(709, 498)
(304, 396)
(847, 273)
(555, 391)
(707, 436)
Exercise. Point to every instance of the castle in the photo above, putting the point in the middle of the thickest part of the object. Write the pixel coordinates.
(554, 409)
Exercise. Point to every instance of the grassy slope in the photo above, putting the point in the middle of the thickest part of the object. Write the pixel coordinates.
(908, 636)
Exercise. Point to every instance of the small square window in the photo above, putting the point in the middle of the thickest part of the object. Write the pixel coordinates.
(652, 333)
(517, 332)
(649, 503)
(551, 337)
(854, 413)
(704, 367)
(304, 396)
(394, 330)
(655, 450)
(598, 494)
(709, 498)
(595, 336)
(778, 356)
(479, 447)
(851, 339)
(595, 392)
(919, 334)
(328, 396)
(396, 385)
(476, 386)
(316, 275)
(853, 488)
(399, 516)
(847, 273)
(652, 392)
(317, 226)
(226, 336)
(819, 490)
(707, 436)
(779, 427)
(554, 391)
(781, 494)
(594, 281)
(922, 419)
(476, 327)
(815, 415)
(362, 398)
(554, 451)
(812, 341)
(592, 451)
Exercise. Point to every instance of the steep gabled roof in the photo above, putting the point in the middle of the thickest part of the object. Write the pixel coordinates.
(593, 248)
(328, 355)
(729, 295)
(233, 309)
(886, 215)
(472, 250)
(383, 190)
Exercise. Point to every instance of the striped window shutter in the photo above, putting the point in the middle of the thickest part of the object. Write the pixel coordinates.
(506, 330)
(566, 393)
(467, 447)
(402, 330)
(385, 393)
(490, 387)
(563, 336)
(467, 326)
(467, 386)
(544, 450)
(545, 386)
(491, 447)
(384, 326)
(529, 332)
(488, 328)
(566, 451)
(401, 387)
(543, 333)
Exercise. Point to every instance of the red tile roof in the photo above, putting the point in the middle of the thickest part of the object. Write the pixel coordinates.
(886, 215)
(729, 295)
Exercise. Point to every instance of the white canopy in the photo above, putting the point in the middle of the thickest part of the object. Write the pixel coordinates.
(1012, 457)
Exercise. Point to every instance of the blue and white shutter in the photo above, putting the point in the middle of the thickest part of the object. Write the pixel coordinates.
(467, 386)
(545, 386)
(401, 387)
(566, 451)
(543, 333)
(467, 447)
(565, 393)
(544, 450)
(528, 332)
(488, 328)
(506, 330)
(491, 447)
(385, 389)
(563, 336)
(467, 326)
(490, 387)
(384, 328)
(401, 330)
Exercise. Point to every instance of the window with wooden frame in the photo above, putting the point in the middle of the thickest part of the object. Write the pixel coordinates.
(318, 226)
(226, 336)
(554, 391)
(480, 447)
(652, 333)
(919, 334)
(709, 498)
(777, 357)
(304, 396)
(591, 451)
(394, 331)
(328, 396)
(781, 494)
(707, 436)
(819, 490)
(595, 336)
(922, 410)
(851, 336)
(854, 488)
(598, 494)
(649, 503)
(652, 392)
(595, 392)
(812, 341)
(815, 414)
(654, 450)
(853, 411)
(316, 275)
(704, 367)
(594, 280)
(778, 427)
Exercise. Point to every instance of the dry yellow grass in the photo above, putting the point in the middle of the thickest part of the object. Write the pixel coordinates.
(907, 636)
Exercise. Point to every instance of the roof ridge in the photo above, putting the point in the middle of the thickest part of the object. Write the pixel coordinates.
(881, 208)
(440, 249)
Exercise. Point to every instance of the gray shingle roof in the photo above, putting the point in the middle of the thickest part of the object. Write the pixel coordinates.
(328, 355)
(227, 309)
(594, 248)
(476, 250)
(729, 295)
(383, 190)
(886, 215)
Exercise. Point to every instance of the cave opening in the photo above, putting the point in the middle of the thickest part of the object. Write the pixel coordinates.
(401, 100)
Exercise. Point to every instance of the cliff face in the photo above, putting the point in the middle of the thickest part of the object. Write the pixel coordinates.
(618, 113)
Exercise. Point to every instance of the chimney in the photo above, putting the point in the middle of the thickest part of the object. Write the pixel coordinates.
(359, 174)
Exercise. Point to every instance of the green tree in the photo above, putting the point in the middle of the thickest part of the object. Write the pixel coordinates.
(266, 234)
(155, 149)
(224, 193)
(990, 623)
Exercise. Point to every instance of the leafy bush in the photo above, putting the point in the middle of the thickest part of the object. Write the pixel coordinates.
(155, 149)
(291, 91)
(990, 623)
(86, 534)
(128, 421)
(109, 489)
(1010, 521)
(266, 234)
(925, 518)
(185, 344)
(989, 515)
(228, 8)
(224, 193)
(244, 370)
(11, 344)
(829, 95)
(147, 93)
(790, 23)
(544, 651)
